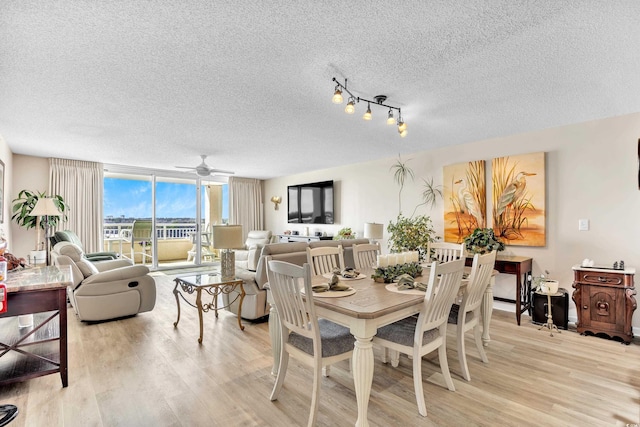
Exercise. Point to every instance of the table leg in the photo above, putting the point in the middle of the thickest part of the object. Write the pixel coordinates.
(175, 293)
(518, 296)
(242, 294)
(199, 305)
(62, 318)
(486, 310)
(362, 365)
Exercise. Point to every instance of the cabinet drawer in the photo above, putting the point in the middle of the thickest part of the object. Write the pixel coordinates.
(506, 267)
(600, 278)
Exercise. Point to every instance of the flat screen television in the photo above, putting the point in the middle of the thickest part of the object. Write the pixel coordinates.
(311, 203)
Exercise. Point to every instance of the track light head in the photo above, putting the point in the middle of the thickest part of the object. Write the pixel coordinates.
(351, 106)
(337, 96)
(402, 126)
(390, 119)
(367, 115)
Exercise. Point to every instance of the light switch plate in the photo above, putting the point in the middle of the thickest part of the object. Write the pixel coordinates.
(583, 225)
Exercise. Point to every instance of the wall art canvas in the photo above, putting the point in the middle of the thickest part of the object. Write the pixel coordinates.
(465, 199)
(518, 189)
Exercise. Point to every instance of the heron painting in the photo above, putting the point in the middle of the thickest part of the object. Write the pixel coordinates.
(518, 184)
(465, 199)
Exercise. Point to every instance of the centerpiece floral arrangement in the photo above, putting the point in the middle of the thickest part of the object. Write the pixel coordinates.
(390, 273)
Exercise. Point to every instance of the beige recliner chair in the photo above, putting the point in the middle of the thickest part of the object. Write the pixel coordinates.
(247, 258)
(105, 289)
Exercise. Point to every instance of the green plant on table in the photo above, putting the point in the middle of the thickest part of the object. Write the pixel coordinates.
(411, 234)
(344, 233)
(388, 274)
(482, 241)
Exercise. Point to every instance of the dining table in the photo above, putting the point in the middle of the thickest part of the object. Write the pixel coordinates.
(363, 312)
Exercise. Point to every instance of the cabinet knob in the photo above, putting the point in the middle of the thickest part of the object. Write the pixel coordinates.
(584, 307)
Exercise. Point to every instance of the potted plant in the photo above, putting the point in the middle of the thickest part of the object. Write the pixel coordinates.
(544, 285)
(22, 207)
(411, 234)
(345, 233)
(482, 241)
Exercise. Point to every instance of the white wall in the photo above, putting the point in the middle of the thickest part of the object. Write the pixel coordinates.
(592, 173)
(7, 158)
(29, 173)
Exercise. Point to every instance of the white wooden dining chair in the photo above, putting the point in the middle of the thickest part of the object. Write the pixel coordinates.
(445, 251)
(418, 336)
(365, 255)
(466, 315)
(325, 259)
(316, 342)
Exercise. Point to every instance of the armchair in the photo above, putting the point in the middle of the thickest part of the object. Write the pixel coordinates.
(70, 236)
(247, 258)
(105, 289)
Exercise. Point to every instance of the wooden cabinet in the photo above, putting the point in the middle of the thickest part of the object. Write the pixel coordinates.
(605, 301)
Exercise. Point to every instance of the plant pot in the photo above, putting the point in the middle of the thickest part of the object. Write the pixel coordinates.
(549, 286)
(37, 257)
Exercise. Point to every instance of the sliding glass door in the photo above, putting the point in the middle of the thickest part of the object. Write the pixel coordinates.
(180, 209)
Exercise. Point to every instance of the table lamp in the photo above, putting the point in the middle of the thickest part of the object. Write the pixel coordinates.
(45, 207)
(227, 237)
(373, 231)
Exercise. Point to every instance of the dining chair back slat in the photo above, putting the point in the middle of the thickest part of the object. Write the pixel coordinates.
(445, 252)
(365, 255)
(325, 259)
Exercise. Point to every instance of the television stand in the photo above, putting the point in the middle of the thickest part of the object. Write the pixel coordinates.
(287, 238)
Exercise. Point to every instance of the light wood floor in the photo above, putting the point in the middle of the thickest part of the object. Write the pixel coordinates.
(141, 371)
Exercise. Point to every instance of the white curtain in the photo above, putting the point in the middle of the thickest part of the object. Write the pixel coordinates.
(246, 206)
(81, 186)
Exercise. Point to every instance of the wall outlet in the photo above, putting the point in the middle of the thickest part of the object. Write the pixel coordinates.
(583, 225)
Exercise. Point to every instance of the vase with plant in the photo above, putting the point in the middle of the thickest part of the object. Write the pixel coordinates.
(24, 204)
(482, 241)
(345, 233)
(544, 284)
(411, 234)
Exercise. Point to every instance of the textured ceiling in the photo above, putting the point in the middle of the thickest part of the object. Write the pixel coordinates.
(157, 83)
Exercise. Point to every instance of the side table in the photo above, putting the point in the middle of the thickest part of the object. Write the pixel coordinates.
(214, 286)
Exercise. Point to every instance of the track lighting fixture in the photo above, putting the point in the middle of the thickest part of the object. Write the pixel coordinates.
(377, 100)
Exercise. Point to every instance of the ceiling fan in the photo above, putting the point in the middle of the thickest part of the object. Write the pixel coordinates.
(205, 170)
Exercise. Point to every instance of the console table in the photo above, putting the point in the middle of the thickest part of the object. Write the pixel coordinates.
(286, 238)
(520, 266)
(31, 352)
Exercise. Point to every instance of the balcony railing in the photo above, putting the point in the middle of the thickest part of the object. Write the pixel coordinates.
(163, 231)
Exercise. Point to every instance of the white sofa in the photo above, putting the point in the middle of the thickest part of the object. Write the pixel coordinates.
(247, 258)
(255, 304)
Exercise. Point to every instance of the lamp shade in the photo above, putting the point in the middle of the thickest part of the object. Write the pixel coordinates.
(227, 237)
(373, 230)
(45, 207)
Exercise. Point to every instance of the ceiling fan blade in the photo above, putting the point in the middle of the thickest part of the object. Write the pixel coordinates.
(185, 167)
(220, 172)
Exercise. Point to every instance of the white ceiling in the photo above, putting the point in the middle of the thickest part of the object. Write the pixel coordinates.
(156, 83)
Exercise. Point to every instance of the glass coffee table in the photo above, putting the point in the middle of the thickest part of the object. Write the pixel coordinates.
(213, 285)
